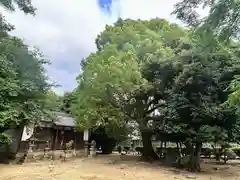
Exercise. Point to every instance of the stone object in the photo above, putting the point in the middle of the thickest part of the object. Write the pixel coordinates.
(30, 149)
(93, 150)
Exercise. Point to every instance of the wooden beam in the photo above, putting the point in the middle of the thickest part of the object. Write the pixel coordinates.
(56, 140)
(51, 145)
(75, 140)
(62, 136)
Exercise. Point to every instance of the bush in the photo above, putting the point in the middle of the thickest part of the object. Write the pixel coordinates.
(139, 150)
(207, 152)
(102, 140)
(236, 150)
(231, 154)
(107, 146)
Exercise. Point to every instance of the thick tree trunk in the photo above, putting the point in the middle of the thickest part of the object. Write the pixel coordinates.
(148, 151)
(194, 160)
(218, 157)
(179, 152)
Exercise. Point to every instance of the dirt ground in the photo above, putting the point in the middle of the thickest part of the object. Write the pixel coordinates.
(111, 168)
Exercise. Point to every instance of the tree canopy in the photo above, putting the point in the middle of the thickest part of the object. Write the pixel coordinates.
(23, 84)
(114, 73)
(23, 79)
(223, 18)
(222, 23)
(154, 74)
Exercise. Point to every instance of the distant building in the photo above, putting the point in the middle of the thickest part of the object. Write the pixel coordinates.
(52, 133)
(49, 133)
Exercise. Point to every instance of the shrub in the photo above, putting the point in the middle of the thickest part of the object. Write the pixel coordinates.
(236, 150)
(106, 143)
(207, 152)
(139, 150)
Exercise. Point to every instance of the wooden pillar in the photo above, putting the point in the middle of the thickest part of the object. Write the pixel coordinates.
(56, 140)
(52, 141)
(75, 141)
(62, 138)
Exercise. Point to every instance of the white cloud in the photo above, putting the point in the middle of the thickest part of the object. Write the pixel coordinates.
(146, 9)
(65, 31)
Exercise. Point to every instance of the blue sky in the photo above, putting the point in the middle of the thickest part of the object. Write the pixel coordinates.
(105, 6)
(65, 31)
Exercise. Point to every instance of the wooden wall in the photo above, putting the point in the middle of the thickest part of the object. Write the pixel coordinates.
(42, 135)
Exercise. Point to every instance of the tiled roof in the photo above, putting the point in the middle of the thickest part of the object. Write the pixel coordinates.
(63, 119)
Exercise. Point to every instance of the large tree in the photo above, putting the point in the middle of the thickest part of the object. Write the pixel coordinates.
(23, 86)
(113, 88)
(197, 101)
(23, 79)
(221, 23)
(143, 66)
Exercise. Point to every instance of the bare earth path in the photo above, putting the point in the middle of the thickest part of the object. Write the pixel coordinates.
(108, 168)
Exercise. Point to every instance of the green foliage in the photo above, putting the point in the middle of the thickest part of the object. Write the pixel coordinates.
(223, 18)
(4, 140)
(144, 66)
(66, 101)
(112, 88)
(198, 97)
(222, 21)
(234, 97)
(236, 150)
(23, 82)
(23, 5)
(221, 24)
(53, 102)
(102, 71)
